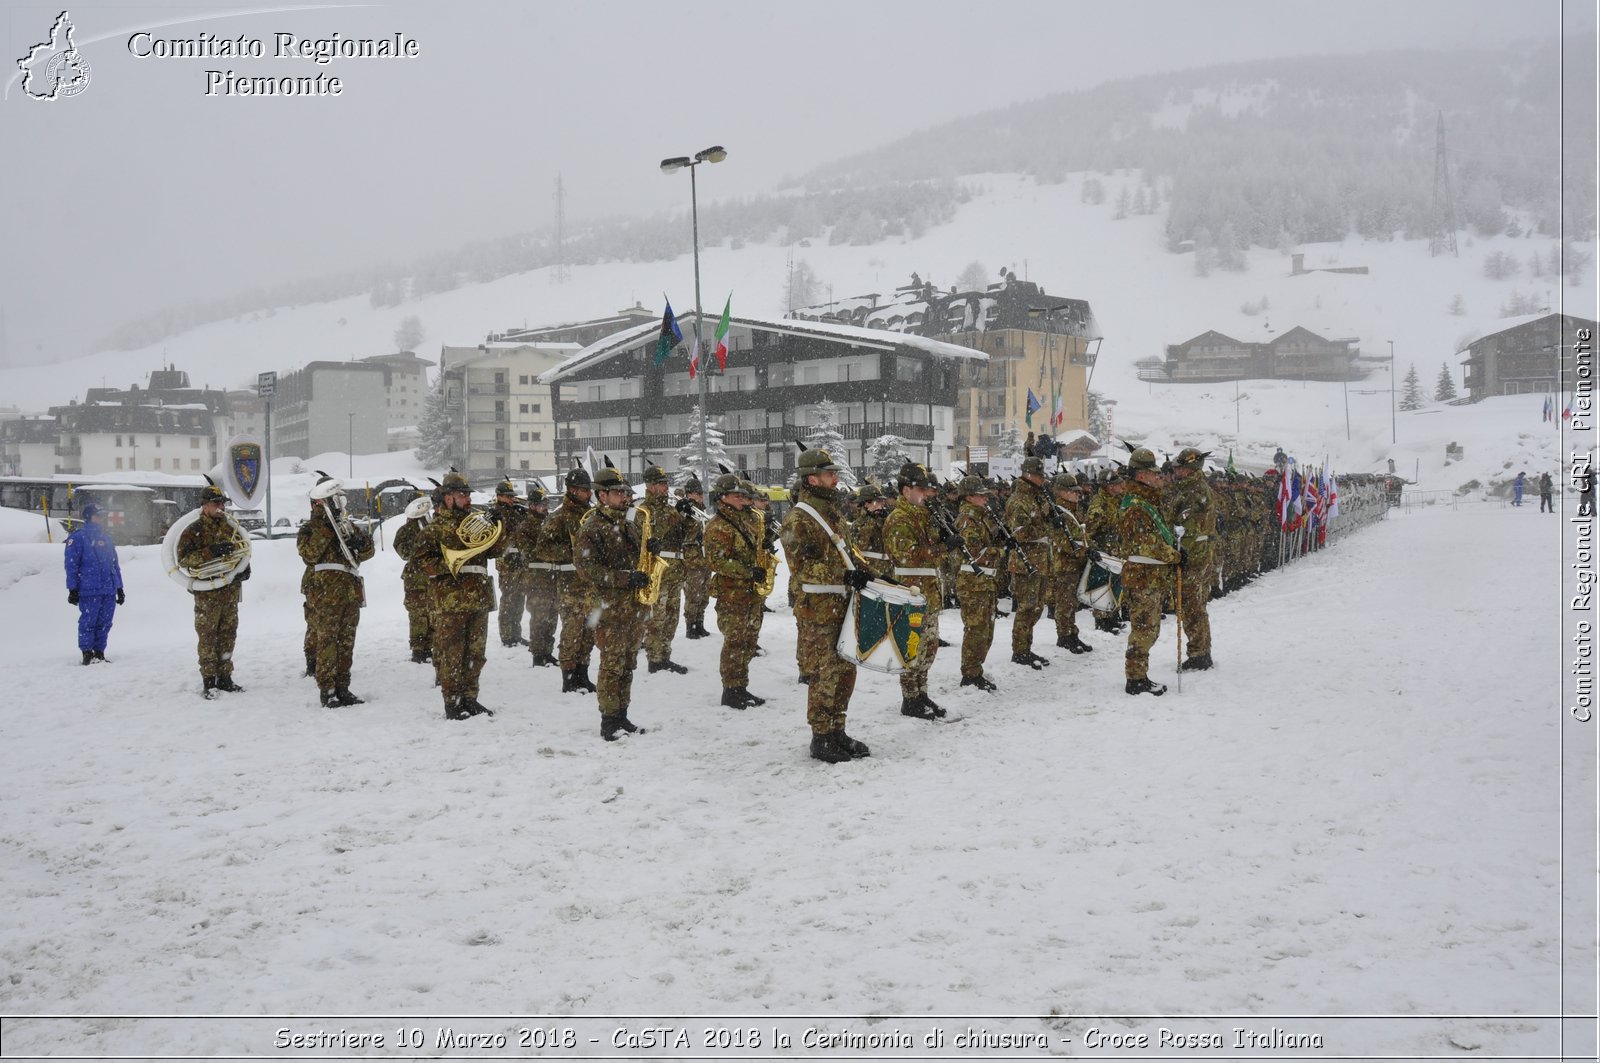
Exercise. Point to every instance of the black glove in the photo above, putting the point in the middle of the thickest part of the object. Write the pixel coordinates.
(221, 549)
(637, 579)
(243, 576)
(952, 541)
(72, 596)
(857, 578)
(121, 598)
(1094, 555)
(684, 506)
(758, 575)
(1183, 557)
(653, 545)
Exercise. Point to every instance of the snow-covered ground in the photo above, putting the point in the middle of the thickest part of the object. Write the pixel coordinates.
(1354, 814)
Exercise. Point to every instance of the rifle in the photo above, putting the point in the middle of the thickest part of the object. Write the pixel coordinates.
(947, 529)
(1009, 537)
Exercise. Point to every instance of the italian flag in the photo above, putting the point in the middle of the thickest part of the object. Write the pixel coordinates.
(722, 335)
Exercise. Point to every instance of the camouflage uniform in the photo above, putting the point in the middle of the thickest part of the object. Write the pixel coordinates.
(334, 596)
(1102, 524)
(541, 582)
(667, 527)
(1189, 505)
(512, 565)
(1069, 552)
(557, 539)
(460, 606)
(977, 591)
(216, 613)
(607, 552)
(733, 555)
(1146, 574)
(915, 548)
(865, 534)
(696, 574)
(415, 582)
(1025, 516)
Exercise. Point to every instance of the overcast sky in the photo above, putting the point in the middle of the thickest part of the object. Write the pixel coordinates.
(143, 192)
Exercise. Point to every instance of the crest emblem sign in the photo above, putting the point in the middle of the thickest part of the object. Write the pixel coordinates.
(245, 472)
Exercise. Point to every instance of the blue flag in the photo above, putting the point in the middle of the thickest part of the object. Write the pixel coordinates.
(1034, 405)
(671, 334)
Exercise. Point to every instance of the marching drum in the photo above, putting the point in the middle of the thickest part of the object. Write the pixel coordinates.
(1101, 586)
(883, 630)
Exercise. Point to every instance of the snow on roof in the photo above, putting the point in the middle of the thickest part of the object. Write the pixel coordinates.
(880, 339)
(1505, 324)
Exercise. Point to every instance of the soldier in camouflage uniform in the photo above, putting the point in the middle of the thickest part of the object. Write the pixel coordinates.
(216, 612)
(696, 576)
(512, 564)
(1027, 517)
(541, 580)
(461, 603)
(1069, 552)
(557, 540)
(823, 584)
(1102, 525)
(949, 502)
(668, 526)
(414, 580)
(1191, 513)
(734, 555)
(916, 547)
(607, 552)
(1151, 550)
(865, 534)
(333, 550)
(977, 582)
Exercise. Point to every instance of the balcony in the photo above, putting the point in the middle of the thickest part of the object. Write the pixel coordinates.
(69, 450)
(742, 437)
(489, 389)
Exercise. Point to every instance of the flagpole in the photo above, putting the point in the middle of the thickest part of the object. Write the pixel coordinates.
(715, 153)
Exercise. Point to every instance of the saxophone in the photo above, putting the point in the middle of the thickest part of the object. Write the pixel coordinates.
(651, 565)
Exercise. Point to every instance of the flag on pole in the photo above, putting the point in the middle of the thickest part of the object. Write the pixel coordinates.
(671, 334)
(1547, 408)
(1283, 501)
(1061, 413)
(722, 335)
(694, 358)
(1231, 469)
(1333, 495)
(1034, 405)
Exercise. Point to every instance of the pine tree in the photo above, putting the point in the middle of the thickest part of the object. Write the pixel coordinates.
(1458, 306)
(1445, 390)
(435, 430)
(825, 435)
(408, 337)
(689, 453)
(1412, 399)
(884, 457)
(1097, 417)
(1010, 445)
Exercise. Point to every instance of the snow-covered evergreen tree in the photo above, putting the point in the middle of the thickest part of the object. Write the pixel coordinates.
(1458, 306)
(1412, 398)
(1097, 417)
(825, 435)
(408, 337)
(689, 453)
(435, 430)
(884, 457)
(1445, 389)
(1010, 444)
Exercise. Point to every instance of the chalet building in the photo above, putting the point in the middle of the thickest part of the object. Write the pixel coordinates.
(1046, 344)
(615, 398)
(28, 446)
(1298, 354)
(1532, 354)
(504, 416)
(168, 426)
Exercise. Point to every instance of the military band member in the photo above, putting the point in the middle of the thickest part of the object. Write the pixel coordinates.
(556, 542)
(696, 576)
(916, 548)
(1102, 524)
(541, 580)
(333, 549)
(733, 551)
(1027, 517)
(1152, 551)
(865, 534)
(216, 612)
(823, 584)
(511, 564)
(413, 579)
(977, 583)
(1191, 508)
(668, 526)
(607, 553)
(1069, 542)
(460, 603)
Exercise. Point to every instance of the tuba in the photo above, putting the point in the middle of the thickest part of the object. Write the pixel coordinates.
(477, 533)
(649, 563)
(212, 574)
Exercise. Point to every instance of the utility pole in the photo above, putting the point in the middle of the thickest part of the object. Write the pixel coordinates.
(559, 275)
(1443, 237)
(1394, 434)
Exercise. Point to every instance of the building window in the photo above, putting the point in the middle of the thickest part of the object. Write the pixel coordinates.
(194, 442)
(535, 408)
(811, 374)
(524, 466)
(524, 437)
(522, 408)
(597, 392)
(158, 447)
(158, 463)
(536, 436)
(194, 463)
(523, 379)
(909, 370)
(119, 441)
(499, 377)
(119, 463)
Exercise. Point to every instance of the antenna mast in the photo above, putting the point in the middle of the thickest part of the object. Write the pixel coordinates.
(1443, 237)
(560, 275)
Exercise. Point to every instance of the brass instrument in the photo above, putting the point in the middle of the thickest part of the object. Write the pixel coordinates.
(769, 558)
(651, 565)
(477, 534)
(213, 573)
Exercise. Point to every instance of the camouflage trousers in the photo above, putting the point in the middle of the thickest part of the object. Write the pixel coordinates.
(544, 609)
(819, 618)
(662, 624)
(914, 680)
(420, 620)
(1197, 577)
(1028, 591)
(309, 643)
(577, 636)
(459, 639)
(1064, 591)
(334, 619)
(977, 595)
(513, 596)
(696, 592)
(216, 625)
(618, 634)
(739, 620)
(1143, 588)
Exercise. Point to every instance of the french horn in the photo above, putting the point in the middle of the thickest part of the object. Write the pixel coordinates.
(212, 574)
(477, 534)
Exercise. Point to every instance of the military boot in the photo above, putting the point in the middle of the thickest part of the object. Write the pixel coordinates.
(209, 688)
(611, 725)
(330, 700)
(751, 699)
(668, 665)
(100, 655)
(696, 629)
(311, 667)
(474, 707)
(1145, 686)
(1032, 660)
(982, 682)
(454, 711)
(88, 657)
(931, 705)
(346, 698)
(845, 743)
(731, 699)
(225, 682)
(1198, 663)
(581, 681)
(419, 657)
(827, 750)
(914, 707)
(544, 660)
(1074, 643)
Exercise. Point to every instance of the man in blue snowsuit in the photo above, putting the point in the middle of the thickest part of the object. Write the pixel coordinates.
(94, 582)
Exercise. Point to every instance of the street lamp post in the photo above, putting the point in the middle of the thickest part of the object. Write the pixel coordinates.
(352, 445)
(1394, 434)
(715, 153)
